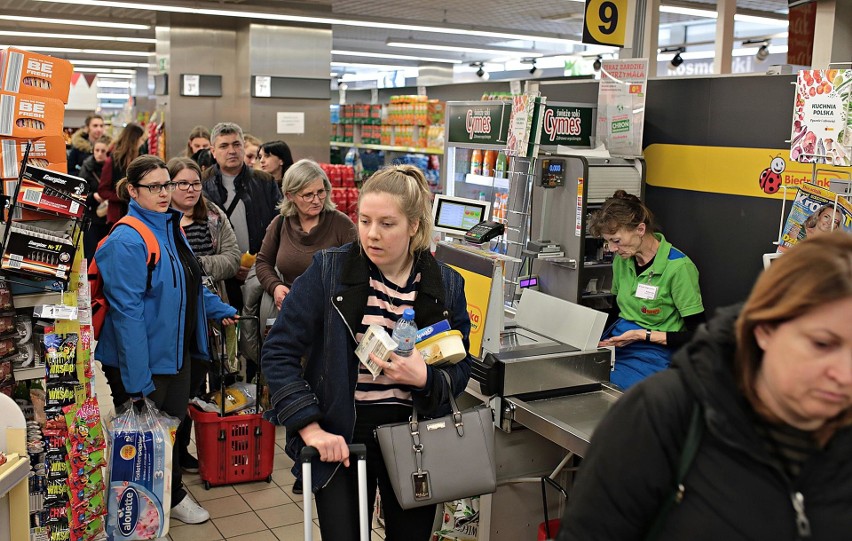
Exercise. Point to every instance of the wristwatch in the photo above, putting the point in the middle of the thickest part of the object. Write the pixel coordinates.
(647, 335)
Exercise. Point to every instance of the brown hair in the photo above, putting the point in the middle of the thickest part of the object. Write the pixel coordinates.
(250, 139)
(104, 140)
(175, 166)
(126, 148)
(622, 210)
(408, 185)
(198, 131)
(781, 295)
(136, 171)
(299, 175)
(90, 118)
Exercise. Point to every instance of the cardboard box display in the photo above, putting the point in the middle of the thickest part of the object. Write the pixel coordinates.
(47, 152)
(31, 250)
(26, 72)
(30, 117)
(76, 187)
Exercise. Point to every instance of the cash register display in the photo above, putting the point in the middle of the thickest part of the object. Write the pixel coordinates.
(457, 215)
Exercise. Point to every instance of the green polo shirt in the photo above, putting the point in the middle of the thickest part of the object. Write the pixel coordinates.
(678, 294)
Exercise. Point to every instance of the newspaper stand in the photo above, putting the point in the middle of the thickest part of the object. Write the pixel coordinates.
(235, 448)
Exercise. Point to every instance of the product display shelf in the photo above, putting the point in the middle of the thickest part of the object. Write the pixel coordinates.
(15, 470)
(389, 148)
(29, 300)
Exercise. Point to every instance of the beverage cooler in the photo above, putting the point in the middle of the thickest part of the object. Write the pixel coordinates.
(475, 161)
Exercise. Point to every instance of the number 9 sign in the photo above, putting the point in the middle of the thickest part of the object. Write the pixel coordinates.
(605, 22)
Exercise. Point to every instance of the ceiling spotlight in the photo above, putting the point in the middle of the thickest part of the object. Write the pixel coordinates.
(533, 68)
(762, 52)
(676, 60)
(481, 73)
(596, 65)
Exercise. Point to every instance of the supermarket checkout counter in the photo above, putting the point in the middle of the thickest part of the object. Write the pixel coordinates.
(544, 377)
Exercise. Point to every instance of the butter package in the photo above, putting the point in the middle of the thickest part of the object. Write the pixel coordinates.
(69, 184)
(47, 153)
(36, 74)
(32, 117)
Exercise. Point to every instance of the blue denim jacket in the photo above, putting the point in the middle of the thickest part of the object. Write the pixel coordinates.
(318, 321)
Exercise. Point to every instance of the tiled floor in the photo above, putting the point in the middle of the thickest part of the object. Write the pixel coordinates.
(249, 511)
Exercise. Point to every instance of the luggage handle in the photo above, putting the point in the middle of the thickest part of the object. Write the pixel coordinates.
(359, 450)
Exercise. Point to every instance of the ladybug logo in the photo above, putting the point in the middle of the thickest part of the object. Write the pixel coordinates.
(770, 178)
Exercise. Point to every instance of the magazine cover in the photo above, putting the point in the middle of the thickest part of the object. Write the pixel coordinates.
(813, 213)
(519, 123)
(822, 117)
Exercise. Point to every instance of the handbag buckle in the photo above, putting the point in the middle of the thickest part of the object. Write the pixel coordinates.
(457, 418)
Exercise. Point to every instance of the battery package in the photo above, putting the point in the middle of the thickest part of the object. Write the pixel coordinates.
(38, 251)
(36, 74)
(49, 199)
(75, 187)
(26, 116)
(47, 153)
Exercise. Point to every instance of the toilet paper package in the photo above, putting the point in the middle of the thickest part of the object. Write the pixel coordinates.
(139, 495)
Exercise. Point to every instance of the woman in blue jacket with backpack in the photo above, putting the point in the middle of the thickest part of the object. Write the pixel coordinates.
(157, 319)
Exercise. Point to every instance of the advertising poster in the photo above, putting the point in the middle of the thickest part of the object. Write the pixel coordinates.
(822, 118)
(621, 106)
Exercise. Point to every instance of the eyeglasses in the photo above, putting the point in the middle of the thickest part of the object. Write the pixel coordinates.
(185, 186)
(319, 194)
(155, 189)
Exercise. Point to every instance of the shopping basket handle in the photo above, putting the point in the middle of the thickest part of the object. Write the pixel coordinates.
(358, 449)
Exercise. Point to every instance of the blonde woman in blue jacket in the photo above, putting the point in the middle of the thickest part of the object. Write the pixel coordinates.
(152, 330)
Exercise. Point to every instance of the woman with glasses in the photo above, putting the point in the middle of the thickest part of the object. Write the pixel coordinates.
(213, 240)
(275, 158)
(655, 287)
(153, 328)
(308, 223)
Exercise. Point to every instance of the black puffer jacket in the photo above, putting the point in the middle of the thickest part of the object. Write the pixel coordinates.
(258, 191)
(733, 492)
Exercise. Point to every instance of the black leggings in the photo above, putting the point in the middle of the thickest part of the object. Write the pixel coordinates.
(171, 396)
(337, 503)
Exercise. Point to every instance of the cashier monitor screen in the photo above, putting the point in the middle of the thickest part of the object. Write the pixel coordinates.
(456, 215)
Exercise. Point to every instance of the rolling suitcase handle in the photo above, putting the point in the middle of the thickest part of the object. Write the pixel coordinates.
(359, 450)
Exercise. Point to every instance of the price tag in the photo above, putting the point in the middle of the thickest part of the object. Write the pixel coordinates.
(605, 22)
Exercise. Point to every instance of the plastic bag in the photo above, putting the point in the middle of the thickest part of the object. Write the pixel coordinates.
(139, 497)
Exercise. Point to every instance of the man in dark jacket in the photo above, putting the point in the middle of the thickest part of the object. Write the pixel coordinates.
(83, 141)
(249, 196)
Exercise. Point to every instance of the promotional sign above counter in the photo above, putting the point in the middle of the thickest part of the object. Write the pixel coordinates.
(568, 125)
(478, 122)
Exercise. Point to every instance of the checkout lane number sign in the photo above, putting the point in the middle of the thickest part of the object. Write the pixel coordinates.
(605, 22)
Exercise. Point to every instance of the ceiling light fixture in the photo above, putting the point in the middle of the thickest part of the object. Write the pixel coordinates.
(73, 22)
(90, 37)
(763, 49)
(102, 52)
(676, 60)
(388, 56)
(459, 48)
(272, 16)
(108, 63)
(596, 65)
(709, 14)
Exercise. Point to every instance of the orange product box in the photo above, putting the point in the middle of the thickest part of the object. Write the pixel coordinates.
(36, 74)
(30, 117)
(47, 152)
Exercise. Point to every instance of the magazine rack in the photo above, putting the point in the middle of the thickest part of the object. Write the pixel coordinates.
(34, 251)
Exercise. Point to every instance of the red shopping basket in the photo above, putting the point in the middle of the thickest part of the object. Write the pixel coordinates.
(233, 449)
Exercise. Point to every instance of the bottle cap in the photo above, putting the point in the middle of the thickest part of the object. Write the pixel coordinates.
(408, 314)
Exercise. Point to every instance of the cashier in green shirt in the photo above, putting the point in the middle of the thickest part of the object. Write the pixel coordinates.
(655, 286)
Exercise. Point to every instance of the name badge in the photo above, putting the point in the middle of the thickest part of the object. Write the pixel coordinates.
(647, 292)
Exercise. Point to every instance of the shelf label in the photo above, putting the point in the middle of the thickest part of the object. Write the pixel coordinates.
(482, 123)
(262, 86)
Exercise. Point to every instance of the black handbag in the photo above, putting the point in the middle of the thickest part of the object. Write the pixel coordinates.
(439, 460)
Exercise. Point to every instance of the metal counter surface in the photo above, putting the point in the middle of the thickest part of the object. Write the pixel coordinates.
(569, 421)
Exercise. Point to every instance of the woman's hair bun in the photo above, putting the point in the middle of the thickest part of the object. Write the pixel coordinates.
(621, 194)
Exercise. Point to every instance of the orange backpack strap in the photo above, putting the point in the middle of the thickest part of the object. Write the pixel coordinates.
(151, 242)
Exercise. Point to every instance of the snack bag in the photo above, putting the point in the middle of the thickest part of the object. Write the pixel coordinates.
(139, 495)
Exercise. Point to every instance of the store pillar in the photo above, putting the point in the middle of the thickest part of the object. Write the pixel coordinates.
(232, 51)
(832, 33)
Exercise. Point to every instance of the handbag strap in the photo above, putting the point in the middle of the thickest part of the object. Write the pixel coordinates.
(414, 425)
(690, 449)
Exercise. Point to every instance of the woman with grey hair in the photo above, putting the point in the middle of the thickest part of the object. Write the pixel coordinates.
(308, 223)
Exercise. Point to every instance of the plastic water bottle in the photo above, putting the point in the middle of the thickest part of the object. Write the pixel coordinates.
(405, 333)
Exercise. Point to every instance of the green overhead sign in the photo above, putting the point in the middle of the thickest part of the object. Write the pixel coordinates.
(479, 123)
